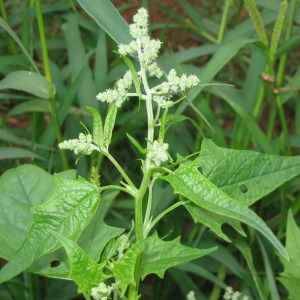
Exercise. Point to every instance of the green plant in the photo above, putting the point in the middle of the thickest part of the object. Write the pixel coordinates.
(215, 185)
(231, 51)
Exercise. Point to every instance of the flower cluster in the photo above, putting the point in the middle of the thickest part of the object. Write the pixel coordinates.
(158, 153)
(146, 48)
(119, 95)
(163, 92)
(231, 295)
(82, 145)
(102, 291)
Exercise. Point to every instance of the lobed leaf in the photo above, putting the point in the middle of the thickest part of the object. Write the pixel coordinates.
(191, 184)
(68, 211)
(93, 240)
(246, 175)
(160, 255)
(79, 261)
(123, 270)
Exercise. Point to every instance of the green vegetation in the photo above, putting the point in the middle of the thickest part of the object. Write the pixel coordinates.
(183, 179)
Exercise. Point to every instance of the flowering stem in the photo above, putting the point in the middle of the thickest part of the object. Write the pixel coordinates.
(148, 97)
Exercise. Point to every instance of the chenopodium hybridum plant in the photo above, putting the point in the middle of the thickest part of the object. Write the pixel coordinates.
(108, 262)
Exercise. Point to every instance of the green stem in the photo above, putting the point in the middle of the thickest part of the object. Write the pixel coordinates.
(51, 91)
(216, 290)
(116, 187)
(149, 205)
(121, 170)
(161, 215)
(225, 16)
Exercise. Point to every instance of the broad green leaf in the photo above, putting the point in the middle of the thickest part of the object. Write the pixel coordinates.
(159, 255)
(93, 240)
(109, 124)
(34, 105)
(83, 269)
(10, 152)
(123, 270)
(191, 184)
(246, 175)
(68, 211)
(98, 135)
(213, 220)
(97, 234)
(290, 278)
(107, 17)
(30, 82)
(21, 189)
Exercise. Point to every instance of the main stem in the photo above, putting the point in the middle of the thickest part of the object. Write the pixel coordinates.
(140, 195)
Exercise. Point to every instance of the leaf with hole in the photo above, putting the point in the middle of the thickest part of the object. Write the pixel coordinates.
(68, 211)
(79, 260)
(246, 175)
(191, 184)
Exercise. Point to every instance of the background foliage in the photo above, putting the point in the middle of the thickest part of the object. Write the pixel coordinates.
(48, 78)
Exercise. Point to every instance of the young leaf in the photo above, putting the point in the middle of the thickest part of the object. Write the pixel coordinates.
(109, 124)
(245, 175)
(98, 134)
(135, 77)
(191, 184)
(79, 261)
(159, 255)
(69, 209)
(162, 128)
(136, 144)
(290, 278)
